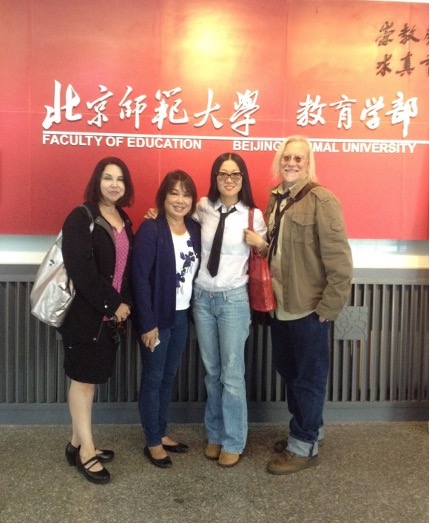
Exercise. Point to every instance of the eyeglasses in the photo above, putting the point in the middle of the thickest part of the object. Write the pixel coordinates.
(235, 177)
(297, 159)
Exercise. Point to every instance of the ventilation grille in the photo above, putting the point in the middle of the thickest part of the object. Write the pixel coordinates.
(379, 352)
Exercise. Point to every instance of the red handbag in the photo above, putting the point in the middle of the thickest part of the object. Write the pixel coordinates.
(261, 296)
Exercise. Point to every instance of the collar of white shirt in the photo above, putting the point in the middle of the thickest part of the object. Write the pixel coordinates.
(240, 206)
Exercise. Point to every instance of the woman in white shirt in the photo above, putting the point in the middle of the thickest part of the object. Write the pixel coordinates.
(221, 306)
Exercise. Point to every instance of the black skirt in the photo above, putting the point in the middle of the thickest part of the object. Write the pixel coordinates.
(91, 362)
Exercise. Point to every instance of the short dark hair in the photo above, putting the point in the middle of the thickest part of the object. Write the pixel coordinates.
(169, 182)
(245, 194)
(93, 192)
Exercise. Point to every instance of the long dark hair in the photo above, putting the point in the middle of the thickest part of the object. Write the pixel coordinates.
(245, 194)
(93, 192)
(169, 182)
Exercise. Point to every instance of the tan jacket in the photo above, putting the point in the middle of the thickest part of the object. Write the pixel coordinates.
(316, 261)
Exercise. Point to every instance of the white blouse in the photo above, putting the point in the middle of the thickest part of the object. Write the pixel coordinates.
(233, 267)
(186, 267)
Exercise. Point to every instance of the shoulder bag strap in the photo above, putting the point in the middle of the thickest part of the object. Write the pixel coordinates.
(302, 193)
(275, 232)
(251, 219)
(90, 215)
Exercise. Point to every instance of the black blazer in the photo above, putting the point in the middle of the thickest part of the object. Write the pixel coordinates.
(90, 263)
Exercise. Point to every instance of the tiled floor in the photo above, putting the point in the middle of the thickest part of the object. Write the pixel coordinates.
(374, 472)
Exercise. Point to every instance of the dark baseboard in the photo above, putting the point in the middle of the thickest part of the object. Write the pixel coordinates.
(192, 413)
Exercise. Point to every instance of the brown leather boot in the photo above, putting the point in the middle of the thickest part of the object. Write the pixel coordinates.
(212, 451)
(228, 460)
(289, 462)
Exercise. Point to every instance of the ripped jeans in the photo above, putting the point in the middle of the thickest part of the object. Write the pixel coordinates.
(222, 322)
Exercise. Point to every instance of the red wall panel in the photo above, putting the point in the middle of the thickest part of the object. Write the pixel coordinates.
(282, 52)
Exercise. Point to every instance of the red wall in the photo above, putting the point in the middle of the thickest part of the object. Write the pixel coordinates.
(269, 57)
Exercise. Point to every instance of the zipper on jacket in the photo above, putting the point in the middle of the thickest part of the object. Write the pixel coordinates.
(96, 339)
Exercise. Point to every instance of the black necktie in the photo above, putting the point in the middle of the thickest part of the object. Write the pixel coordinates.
(279, 198)
(215, 254)
(275, 231)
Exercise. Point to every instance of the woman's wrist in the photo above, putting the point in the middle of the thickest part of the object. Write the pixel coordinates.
(264, 249)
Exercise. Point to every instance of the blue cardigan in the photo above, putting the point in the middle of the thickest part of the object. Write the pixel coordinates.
(153, 268)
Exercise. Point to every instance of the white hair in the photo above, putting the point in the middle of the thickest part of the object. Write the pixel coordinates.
(276, 164)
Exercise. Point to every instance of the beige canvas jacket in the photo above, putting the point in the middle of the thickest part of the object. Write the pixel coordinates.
(316, 261)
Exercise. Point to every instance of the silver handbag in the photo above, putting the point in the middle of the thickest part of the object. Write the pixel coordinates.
(53, 291)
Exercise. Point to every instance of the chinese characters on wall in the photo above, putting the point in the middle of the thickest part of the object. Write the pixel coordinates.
(169, 108)
(411, 58)
(67, 104)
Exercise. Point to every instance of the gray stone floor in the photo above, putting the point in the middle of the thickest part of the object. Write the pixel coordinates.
(374, 472)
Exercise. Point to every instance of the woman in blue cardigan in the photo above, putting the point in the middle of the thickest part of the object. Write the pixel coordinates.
(165, 261)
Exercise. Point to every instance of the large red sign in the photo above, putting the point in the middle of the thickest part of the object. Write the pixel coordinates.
(174, 83)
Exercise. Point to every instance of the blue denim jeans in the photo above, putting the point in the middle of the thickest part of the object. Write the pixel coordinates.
(158, 374)
(301, 356)
(222, 323)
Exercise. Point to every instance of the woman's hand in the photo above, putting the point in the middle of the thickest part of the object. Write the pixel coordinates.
(122, 312)
(255, 240)
(152, 213)
(150, 339)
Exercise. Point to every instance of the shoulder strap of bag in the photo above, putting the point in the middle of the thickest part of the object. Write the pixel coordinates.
(275, 231)
(90, 215)
(302, 193)
(251, 219)
(59, 238)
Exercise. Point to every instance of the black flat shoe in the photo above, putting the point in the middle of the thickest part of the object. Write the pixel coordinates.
(106, 455)
(97, 477)
(176, 448)
(165, 462)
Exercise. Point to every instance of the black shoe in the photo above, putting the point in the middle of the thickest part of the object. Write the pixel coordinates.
(106, 455)
(165, 462)
(176, 448)
(97, 477)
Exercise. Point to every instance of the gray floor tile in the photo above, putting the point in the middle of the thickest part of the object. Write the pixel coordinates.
(375, 472)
